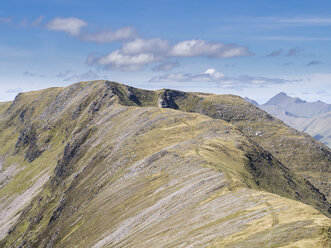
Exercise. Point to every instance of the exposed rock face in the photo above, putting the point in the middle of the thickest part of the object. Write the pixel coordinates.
(168, 98)
(28, 138)
(126, 173)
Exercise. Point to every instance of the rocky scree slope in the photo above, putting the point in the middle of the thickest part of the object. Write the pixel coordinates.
(100, 164)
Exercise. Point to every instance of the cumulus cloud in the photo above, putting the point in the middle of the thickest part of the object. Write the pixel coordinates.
(70, 25)
(133, 55)
(74, 26)
(138, 53)
(154, 46)
(223, 81)
(119, 60)
(193, 48)
(166, 66)
(108, 36)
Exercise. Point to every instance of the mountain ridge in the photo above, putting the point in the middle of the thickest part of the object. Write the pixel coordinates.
(282, 99)
(109, 147)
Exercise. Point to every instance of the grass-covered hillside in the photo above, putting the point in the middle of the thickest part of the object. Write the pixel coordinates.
(100, 164)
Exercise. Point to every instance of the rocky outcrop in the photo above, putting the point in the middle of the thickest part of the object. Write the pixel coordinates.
(28, 139)
(167, 99)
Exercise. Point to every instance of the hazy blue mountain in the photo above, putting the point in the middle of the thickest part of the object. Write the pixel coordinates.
(313, 118)
(281, 99)
(319, 127)
(297, 107)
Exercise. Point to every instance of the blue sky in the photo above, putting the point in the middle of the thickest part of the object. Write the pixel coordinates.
(253, 48)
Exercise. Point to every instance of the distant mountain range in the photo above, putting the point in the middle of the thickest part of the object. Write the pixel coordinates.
(313, 118)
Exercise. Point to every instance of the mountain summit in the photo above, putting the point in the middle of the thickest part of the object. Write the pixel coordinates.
(101, 164)
(311, 117)
(281, 99)
(298, 107)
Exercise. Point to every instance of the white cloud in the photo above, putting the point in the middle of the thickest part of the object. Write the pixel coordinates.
(71, 25)
(137, 46)
(119, 60)
(108, 36)
(214, 74)
(193, 48)
(133, 55)
(139, 52)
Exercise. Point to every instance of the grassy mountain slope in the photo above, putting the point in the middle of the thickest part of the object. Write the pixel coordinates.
(98, 164)
(296, 150)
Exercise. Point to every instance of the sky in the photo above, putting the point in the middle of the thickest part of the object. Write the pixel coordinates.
(253, 48)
